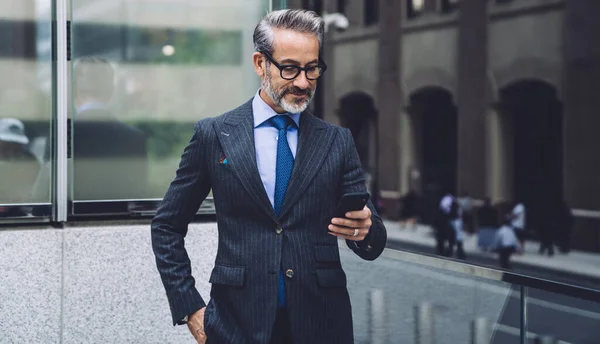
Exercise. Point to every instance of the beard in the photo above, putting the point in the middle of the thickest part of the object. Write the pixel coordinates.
(278, 96)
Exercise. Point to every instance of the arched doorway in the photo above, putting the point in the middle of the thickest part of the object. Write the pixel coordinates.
(358, 113)
(435, 116)
(535, 113)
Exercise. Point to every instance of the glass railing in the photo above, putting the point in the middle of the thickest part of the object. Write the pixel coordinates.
(404, 297)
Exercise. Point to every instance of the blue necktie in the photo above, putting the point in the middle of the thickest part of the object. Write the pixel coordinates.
(283, 171)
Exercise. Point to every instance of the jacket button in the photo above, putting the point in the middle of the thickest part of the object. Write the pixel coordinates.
(278, 230)
(289, 273)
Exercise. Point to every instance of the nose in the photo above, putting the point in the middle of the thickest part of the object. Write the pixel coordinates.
(301, 81)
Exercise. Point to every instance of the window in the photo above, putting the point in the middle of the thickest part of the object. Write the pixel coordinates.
(26, 90)
(449, 5)
(313, 5)
(341, 6)
(141, 78)
(371, 12)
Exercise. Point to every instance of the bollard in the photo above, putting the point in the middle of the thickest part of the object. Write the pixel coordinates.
(377, 318)
(424, 324)
(480, 331)
(545, 340)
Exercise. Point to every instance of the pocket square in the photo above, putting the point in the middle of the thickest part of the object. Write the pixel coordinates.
(223, 160)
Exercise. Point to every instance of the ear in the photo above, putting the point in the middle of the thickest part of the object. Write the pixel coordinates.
(258, 60)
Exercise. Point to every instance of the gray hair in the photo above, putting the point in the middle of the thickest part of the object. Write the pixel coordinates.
(302, 21)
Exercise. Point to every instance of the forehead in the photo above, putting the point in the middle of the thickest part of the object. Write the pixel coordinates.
(288, 44)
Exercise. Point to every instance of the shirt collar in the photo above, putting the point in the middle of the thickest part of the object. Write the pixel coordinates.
(263, 112)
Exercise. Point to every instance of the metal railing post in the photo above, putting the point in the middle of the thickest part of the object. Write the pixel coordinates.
(377, 317)
(424, 324)
(523, 301)
(546, 340)
(480, 331)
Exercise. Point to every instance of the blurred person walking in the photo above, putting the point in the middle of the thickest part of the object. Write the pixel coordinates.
(487, 221)
(505, 244)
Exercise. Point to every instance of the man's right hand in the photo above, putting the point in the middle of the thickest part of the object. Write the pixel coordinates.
(196, 325)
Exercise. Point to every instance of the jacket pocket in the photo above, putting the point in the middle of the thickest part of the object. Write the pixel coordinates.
(327, 254)
(331, 278)
(228, 275)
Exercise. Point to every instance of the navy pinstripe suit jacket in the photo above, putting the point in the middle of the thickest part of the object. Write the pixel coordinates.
(251, 249)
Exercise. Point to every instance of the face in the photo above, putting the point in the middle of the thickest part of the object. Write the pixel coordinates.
(290, 48)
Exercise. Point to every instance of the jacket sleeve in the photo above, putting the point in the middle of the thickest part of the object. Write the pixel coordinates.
(170, 225)
(354, 181)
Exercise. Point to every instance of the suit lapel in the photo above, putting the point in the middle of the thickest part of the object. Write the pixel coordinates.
(236, 136)
(315, 139)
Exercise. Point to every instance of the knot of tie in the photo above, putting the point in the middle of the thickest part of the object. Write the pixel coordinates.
(281, 122)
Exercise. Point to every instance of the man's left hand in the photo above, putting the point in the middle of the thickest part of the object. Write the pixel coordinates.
(356, 222)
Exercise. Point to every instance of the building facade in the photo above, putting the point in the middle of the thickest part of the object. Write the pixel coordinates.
(491, 98)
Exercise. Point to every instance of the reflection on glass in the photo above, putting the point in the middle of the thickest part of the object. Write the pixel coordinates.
(25, 105)
(110, 156)
(484, 143)
(558, 318)
(143, 74)
(395, 301)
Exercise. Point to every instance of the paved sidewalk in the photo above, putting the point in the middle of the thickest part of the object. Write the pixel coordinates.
(576, 262)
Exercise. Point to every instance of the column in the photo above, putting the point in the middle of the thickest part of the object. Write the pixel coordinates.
(389, 93)
(581, 103)
(409, 165)
(581, 83)
(330, 102)
(472, 98)
(499, 155)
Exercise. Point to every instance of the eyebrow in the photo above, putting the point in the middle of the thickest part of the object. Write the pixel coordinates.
(291, 61)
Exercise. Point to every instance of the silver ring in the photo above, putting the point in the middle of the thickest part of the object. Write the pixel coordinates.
(355, 233)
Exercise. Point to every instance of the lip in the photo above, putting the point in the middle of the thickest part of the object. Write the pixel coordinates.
(300, 96)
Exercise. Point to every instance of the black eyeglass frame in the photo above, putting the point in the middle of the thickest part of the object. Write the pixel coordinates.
(299, 69)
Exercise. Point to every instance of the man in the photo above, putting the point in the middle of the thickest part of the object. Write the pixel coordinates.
(505, 244)
(518, 217)
(452, 213)
(277, 173)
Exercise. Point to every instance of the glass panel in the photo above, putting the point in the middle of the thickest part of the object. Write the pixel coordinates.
(394, 301)
(26, 103)
(563, 318)
(143, 74)
(498, 103)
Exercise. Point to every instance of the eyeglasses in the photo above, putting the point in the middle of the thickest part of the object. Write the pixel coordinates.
(290, 72)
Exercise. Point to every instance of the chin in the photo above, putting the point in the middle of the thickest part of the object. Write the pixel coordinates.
(294, 107)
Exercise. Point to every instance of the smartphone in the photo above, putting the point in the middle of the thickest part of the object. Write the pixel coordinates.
(351, 202)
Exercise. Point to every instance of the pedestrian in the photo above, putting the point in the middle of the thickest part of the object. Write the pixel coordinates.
(505, 244)
(277, 173)
(466, 205)
(452, 212)
(518, 217)
(487, 220)
(409, 209)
